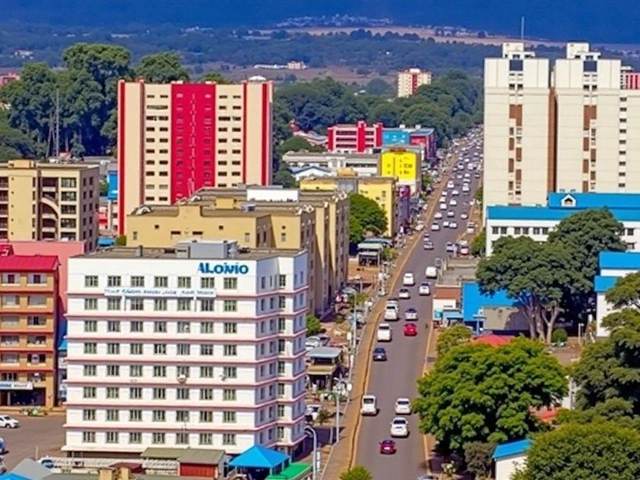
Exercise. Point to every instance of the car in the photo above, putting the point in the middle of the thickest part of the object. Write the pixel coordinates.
(426, 476)
(408, 280)
(404, 293)
(435, 227)
(388, 447)
(464, 216)
(379, 354)
(425, 237)
(428, 246)
(425, 289)
(453, 224)
(455, 193)
(464, 251)
(438, 215)
(443, 206)
(384, 333)
(411, 314)
(8, 422)
(369, 405)
(312, 413)
(451, 247)
(410, 330)
(451, 214)
(403, 406)
(399, 428)
(453, 203)
(445, 224)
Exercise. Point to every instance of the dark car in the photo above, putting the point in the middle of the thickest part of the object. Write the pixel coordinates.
(379, 354)
(387, 447)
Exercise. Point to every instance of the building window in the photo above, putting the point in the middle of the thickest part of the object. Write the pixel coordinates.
(113, 370)
(160, 371)
(282, 303)
(90, 326)
(184, 282)
(159, 394)
(184, 304)
(207, 305)
(282, 281)
(182, 394)
(229, 394)
(160, 304)
(206, 350)
(280, 433)
(135, 438)
(90, 348)
(136, 349)
(91, 281)
(113, 326)
(160, 327)
(160, 349)
(10, 279)
(89, 415)
(114, 304)
(281, 368)
(229, 417)
(629, 231)
(158, 438)
(113, 416)
(113, 392)
(89, 392)
(184, 327)
(207, 283)
(183, 349)
(282, 325)
(137, 304)
(135, 393)
(113, 348)
(228, 438)
(206, 372)
(207, 327)
(206, 394)
(182, 416)
(206, 417)
(230, 283)
(90, 370)
(159, 416)
(114, 281)
(88, 437)
(137, 281)
(281, 411)
(230, 305)
(136, 371)
(229, 372)
(230, 350)
(112, 437)
(281, 390)
(161, 282)
(182, 438)
(205, 439)
(90, 304)
(137, 326)
(230, 327)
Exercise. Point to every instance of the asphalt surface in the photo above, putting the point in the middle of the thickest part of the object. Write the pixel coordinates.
(397, 376)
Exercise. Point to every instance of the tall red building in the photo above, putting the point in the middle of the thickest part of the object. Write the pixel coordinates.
(174, 139)
(356, 138)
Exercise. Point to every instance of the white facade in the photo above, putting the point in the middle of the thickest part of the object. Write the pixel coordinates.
(166, 352)
(539, 230)
(506, 467)
(516, 128)
(410, 80)
(364, 165)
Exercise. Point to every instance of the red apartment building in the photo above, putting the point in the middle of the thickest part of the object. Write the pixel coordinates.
(356, 138)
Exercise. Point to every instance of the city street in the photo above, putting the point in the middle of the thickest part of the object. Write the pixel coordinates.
(397, 376)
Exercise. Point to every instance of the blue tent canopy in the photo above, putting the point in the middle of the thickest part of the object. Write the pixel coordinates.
(105, 242)
(259, 457)
(12, 476)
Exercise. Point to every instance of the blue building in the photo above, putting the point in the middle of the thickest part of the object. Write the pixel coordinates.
(537, 221)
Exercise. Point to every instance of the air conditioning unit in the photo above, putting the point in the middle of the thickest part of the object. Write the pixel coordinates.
(182, 378)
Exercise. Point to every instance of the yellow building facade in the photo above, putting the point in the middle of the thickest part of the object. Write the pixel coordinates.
(382, 190)
(49, 201)
(404, 165)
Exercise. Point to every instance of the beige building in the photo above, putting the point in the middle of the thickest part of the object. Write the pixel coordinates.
(568, 127)
(409, 81)
(49, 201)
(174, 139)
(259, 218)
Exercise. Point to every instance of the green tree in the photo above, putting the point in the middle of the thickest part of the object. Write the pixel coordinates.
(480, 393)
(452, 337)
(215, 77)
(586, 452)
(284, 177)
(478, 457)
(366, 216)
(162, 67)
(626, 292)
(479, 244)
(314, 325)
(386, 113)
(379, 87)
(586, 234)
(298, 144)
(479, 195)
(105, 63)
(13, 143)
(535, 275)
(323, 416)
(356, 473)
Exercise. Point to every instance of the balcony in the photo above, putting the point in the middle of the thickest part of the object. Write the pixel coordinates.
(27, 343)
(11, 362)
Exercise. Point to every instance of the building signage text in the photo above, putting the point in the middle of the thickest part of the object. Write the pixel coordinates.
(16, 386)
(223, 268)
(160, 292)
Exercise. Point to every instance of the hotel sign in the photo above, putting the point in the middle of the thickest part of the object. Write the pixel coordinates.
(160, 292)
(16, 386)
(223, 268)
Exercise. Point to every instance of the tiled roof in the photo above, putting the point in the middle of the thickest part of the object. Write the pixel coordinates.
(493, 340)
(619, 261)
(28, 263)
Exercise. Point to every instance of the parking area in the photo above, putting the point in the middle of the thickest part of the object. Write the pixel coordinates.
(37, 436)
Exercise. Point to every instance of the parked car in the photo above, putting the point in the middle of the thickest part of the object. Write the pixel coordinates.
(8, 422)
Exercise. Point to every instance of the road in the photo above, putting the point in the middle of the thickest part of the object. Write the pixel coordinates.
(397, 376)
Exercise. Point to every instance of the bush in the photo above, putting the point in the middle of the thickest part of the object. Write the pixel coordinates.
(314, 326)
(559, 335)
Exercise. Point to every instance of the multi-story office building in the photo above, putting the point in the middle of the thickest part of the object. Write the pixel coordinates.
(199, 345)
(385, 191)
(409, 81)
(404, 165)
(412, 136)
(570, 128)
(174, 139)
(49, 201)
(260, 217)
(28, 329)
(354, 138)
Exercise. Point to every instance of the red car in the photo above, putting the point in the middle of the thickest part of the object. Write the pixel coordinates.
(410, 330)
(387, 447)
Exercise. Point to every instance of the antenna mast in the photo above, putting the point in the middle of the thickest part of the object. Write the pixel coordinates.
(522, 29)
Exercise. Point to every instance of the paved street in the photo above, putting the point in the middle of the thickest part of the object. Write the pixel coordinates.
(406, 360)
(39, 436)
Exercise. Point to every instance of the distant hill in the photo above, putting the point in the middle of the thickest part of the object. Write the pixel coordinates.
(613, 21)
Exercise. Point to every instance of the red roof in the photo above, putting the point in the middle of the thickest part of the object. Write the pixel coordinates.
(493, 340)
(28, 263)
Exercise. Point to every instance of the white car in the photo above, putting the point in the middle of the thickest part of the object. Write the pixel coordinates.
(369, 405)
(455, 193)
(408, 280)
(453, 203)
(453, 225)
(403, 406)
(425, 289)
(443, 206)
(445, 224)
(8, 422)
(404, 294)
(451, 214)
(399, 427)
(438, 215)
(411, 314)
(464, 216)
(435, 227)
(384, 333)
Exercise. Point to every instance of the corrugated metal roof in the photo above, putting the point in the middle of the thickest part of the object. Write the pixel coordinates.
(28, 263)
(473, 300)
(554, 214)
(510, 449)
(603, 284)
(200, 456)
(619, 260)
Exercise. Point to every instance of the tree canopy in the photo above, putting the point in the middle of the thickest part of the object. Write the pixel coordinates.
(584, 451)
(479, 244)
(451, 337)
(479, 393)
(365, 216)
(356, 473)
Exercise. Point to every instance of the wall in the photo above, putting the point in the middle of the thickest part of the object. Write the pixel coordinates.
(506, 467)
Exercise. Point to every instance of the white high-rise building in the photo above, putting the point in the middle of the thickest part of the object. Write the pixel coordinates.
(196, 346)
(574, 127)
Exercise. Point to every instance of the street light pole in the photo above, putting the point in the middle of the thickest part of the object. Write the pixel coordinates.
(338, 411)
(314, 435)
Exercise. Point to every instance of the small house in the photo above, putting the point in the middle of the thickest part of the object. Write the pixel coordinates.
(509, 458)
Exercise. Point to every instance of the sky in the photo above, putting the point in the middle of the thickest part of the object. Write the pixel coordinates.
(611, 21)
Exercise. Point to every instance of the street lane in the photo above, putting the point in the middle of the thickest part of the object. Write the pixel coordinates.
(397, 376)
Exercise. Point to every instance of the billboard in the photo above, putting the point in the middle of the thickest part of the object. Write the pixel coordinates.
(402, 164)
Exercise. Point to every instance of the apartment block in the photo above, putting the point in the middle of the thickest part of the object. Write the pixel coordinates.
(403, 164)
(567, 127)
(174, 139)
(410, 80)
(354, 138)
(49, 201)
(28, 329)
(385, 191)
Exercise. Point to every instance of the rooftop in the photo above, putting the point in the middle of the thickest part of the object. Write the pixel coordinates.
(259, 457)
(171, 253)
(28, 263)
(511, 449)
(552, 214)
(292, 472)
(619, 260)
(581, 201)
(21, 164)
(473, 301)
(334, 178)
(327, 353)
(330, 155)
(197, 456)
(493, 340)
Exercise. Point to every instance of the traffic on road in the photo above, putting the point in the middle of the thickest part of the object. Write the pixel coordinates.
(389, 443)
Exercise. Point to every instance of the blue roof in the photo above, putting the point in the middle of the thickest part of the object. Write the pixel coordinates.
(582, 201)
(473, 300)
(603, 284)
(63, 345)
(554, 214)
(112, 181)
(259, 457)
(619, 260)
(512, 448)
(12, 476)
(106, 242)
